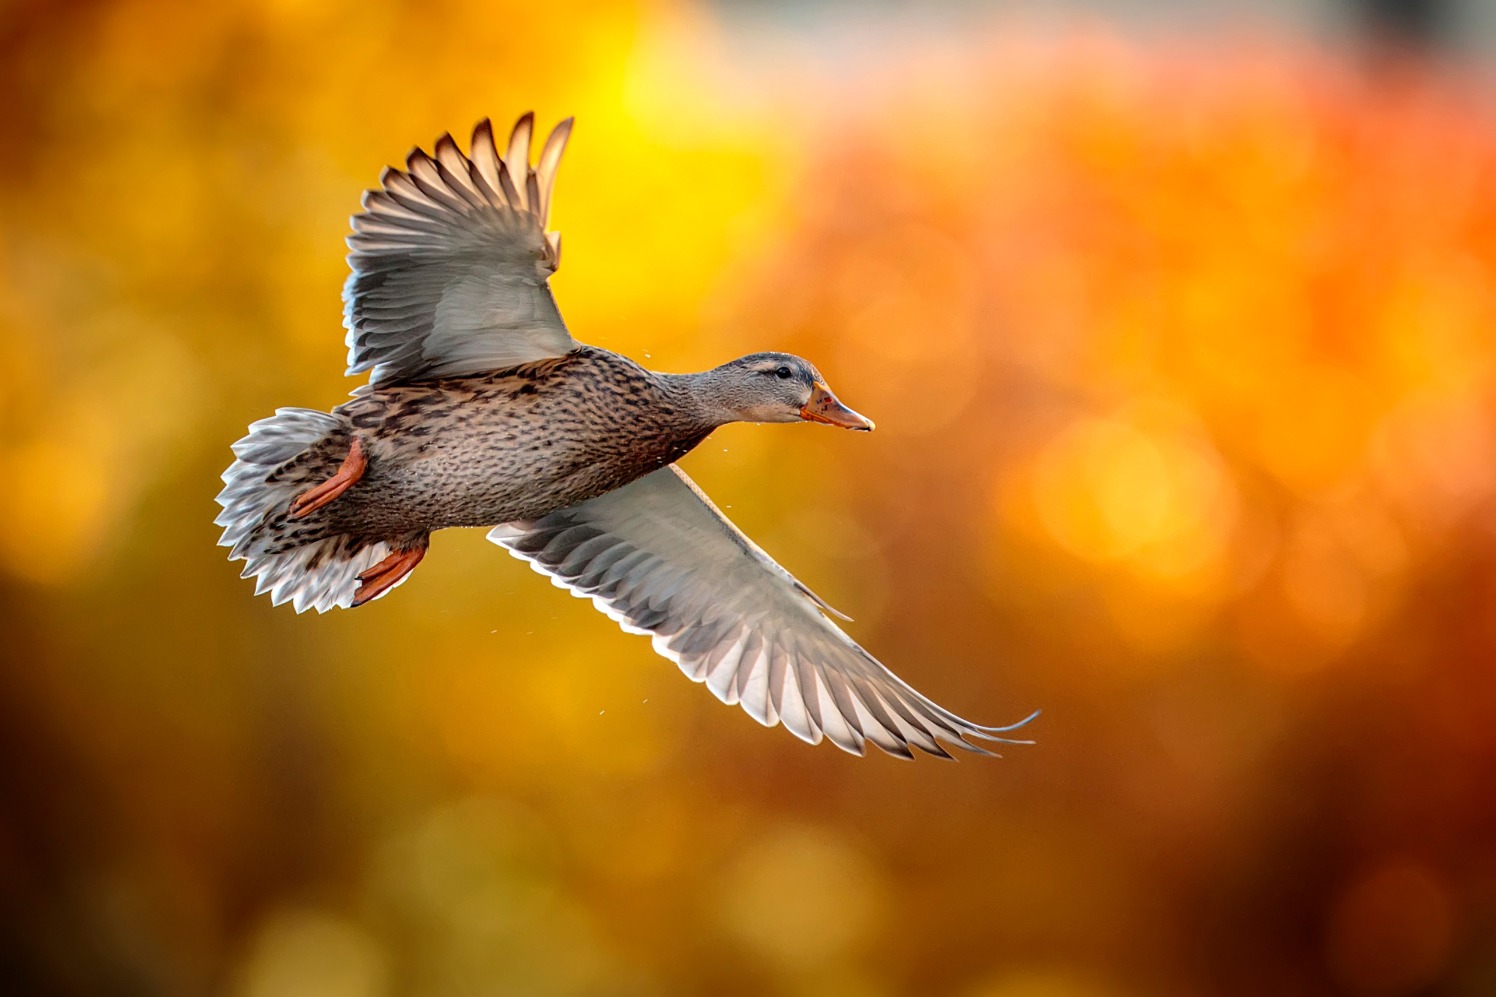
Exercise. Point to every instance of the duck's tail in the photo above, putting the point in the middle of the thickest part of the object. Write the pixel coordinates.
(296, 560)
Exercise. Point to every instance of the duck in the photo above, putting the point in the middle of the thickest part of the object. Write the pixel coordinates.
(481, 410)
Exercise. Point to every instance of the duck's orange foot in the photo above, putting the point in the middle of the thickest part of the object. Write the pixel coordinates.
(348, 474)
(387, 574)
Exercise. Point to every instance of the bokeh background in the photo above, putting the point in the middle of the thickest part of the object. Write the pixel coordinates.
(1178, 322)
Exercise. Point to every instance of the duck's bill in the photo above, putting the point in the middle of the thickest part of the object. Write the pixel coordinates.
(823, 406)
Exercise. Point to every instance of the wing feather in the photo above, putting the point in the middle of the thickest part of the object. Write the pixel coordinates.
(451, 262)
(550, 159)
(518, 157)
(658, 558)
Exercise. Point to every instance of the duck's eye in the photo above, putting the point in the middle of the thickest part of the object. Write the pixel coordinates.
(784, 373)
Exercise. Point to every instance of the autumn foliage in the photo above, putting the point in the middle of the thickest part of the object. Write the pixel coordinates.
(1183, 362)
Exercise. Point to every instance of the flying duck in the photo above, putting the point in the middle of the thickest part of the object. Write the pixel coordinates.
(480, 409)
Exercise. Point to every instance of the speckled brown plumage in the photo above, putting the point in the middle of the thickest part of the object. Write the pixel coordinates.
(515, 444)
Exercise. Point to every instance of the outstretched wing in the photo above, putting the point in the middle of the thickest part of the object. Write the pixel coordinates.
(660, 559)
(451, 261)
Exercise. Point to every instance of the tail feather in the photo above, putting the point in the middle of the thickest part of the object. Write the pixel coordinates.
(294, 561)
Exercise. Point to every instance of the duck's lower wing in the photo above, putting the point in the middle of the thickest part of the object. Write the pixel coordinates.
(661, 560)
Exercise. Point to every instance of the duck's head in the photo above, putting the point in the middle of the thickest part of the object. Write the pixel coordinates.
(778, 387)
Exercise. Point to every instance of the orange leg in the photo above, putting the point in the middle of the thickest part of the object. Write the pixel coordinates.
(387, 573)
(313, 499)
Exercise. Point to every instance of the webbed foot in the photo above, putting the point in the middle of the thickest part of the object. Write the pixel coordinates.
(346, 477)
(387, 574)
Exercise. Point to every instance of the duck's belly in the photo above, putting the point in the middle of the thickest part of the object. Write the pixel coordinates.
(499, 477)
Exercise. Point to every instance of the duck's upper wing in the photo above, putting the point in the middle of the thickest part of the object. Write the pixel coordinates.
(451, 259)
(660, 559)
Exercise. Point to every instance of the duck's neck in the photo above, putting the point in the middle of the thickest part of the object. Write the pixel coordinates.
(704, 400)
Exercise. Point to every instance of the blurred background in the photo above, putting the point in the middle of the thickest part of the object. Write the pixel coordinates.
(1177, 322)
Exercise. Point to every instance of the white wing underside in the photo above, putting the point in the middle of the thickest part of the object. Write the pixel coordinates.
(451, 260)
(658, 558)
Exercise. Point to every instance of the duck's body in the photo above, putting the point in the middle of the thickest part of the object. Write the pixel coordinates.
(482, 410)
(514, 444)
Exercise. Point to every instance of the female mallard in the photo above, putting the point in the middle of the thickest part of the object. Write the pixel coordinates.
(481, 409)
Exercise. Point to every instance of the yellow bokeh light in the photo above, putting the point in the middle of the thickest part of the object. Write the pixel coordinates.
(1110, 490)
(309, 953)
